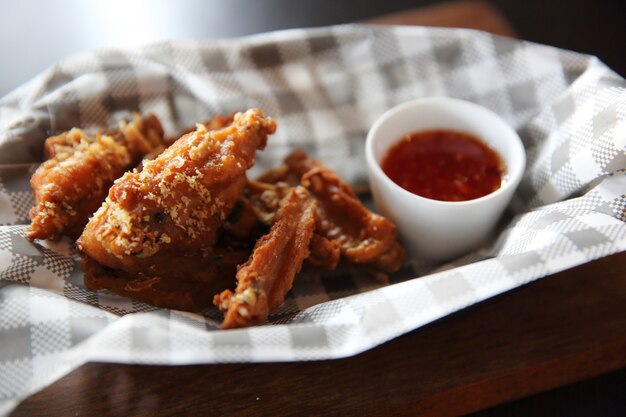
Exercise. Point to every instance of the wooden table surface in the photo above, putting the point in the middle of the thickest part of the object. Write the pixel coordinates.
(562, 329)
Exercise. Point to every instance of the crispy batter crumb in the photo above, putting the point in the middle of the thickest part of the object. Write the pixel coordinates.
(187, 185)
(72, 183)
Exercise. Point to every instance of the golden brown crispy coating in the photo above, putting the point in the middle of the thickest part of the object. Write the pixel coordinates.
(217, 122)
(362, 236)
(73, 182)
(141, 135)
(277, 257)
(344, 227)
(63, 145)
(176, 204)
(324, 253)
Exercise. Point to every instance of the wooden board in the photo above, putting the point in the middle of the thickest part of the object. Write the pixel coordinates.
(468, 14)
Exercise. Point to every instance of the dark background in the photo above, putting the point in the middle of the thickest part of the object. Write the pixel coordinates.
(596, 27)
(35, 34)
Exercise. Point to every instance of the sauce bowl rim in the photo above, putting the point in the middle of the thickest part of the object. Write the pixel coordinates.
(512, 178)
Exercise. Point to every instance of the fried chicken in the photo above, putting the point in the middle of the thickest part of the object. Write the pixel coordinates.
(363, 237)
(173, 209)
(187, 283)
(342, 221)
(277, 257)
(177, 231)
(323, 253)
(73, 182)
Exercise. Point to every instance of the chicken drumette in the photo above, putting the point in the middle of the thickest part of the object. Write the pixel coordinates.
(263, 281)
(75, 179)
(345, 228)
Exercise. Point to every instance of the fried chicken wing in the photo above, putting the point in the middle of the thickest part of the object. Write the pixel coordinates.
(73, 182)
(363, 237)
(277, 257)
(175, 206)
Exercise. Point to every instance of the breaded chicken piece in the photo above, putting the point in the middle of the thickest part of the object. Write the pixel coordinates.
(342, 222)
(277, 257)
(175, 206)
(363, 237)
(74, 181)
(187, 283)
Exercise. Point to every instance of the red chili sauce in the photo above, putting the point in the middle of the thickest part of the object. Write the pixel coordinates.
(444, 165)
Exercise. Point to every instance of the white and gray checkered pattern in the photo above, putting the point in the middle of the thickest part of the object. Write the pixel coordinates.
(325, 87)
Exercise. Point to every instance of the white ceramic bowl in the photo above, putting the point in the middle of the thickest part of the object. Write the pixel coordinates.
(432, 229)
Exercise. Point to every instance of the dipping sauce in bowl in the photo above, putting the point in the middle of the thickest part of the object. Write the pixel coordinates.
(444, 165)
(443, 171)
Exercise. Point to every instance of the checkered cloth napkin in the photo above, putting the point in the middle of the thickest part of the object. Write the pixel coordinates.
(325, 87)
